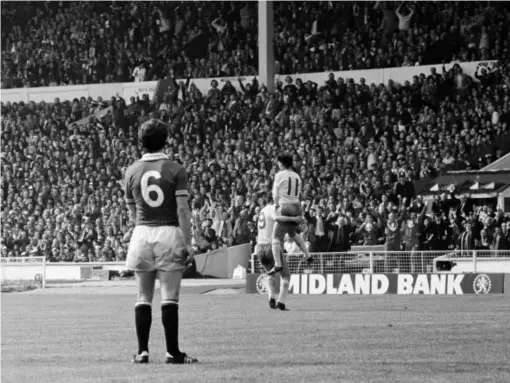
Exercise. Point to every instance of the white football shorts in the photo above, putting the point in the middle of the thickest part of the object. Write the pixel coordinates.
(156, 248)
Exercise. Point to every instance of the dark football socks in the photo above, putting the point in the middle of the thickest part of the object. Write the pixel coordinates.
(170, 318)
(143, 320)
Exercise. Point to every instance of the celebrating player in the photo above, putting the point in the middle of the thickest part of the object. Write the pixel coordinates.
(157, 196)
(266, 222)
(286, 195)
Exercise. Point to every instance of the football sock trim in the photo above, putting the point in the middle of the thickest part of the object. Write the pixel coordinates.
(169, 302)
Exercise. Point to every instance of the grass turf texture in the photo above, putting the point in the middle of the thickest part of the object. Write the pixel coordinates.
(90, 337)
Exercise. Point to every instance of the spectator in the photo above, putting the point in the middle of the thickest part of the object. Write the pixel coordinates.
(139, 72)
(437, 233)
(48, 44)
(485, 240)
(68, 51)
(404, 19)
(341, 236)
(290, 246)
(62, 177)
(499, 241)
(467, 239)
(370, 232)
(393, 242)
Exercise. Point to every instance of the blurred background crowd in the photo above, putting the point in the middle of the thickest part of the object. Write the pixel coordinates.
(51, 43)
(358, 147)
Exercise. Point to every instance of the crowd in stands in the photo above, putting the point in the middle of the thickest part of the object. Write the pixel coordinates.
(358, 148)
(52, 43)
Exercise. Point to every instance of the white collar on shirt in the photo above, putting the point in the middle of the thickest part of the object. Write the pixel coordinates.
(154, 156)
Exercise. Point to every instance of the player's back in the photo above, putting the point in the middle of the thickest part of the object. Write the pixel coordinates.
(265, 224)
(287, 184)
(152, 182)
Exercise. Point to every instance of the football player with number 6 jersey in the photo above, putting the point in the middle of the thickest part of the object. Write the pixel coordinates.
(156, 191)
(287, 198)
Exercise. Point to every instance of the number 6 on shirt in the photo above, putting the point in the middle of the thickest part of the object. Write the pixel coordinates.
(147, 189)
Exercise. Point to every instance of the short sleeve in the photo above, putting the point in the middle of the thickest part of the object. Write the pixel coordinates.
(128, 192)
(181, 183)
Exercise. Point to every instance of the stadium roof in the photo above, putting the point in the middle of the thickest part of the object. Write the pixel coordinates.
(479, 184)
(502, 163)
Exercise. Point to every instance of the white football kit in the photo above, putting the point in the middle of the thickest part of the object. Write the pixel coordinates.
(287, 187)
(266, 221)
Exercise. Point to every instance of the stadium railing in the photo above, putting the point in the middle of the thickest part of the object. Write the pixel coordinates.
(151, 88)
(388, 261)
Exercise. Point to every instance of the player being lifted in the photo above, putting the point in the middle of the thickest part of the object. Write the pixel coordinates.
(157, 195)
(266, 222)
(286, 195)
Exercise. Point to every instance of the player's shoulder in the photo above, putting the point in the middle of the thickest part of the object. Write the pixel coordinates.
(287, 173)
(269, 209)
(133, 169)
(156, 160)
(174, 166)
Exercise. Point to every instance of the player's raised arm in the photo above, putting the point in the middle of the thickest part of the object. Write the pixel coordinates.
(183, 210)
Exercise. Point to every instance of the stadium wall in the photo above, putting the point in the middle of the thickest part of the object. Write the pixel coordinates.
(106, 91)
(218, 264)
(132, 89)
(484, 265)
(221, 263)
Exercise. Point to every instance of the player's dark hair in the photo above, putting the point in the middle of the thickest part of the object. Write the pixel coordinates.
(286, 160)
(153, 135)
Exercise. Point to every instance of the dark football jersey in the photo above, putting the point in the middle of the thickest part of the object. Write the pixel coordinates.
(153, 184)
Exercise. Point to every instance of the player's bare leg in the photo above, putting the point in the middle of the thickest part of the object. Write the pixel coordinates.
(276, 248)
(170, 289)
(302, 245)
(284, 287)
(284, 290)
(143, 313)
(271, 287)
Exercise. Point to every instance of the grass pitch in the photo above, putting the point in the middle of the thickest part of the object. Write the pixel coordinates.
(76, 335)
